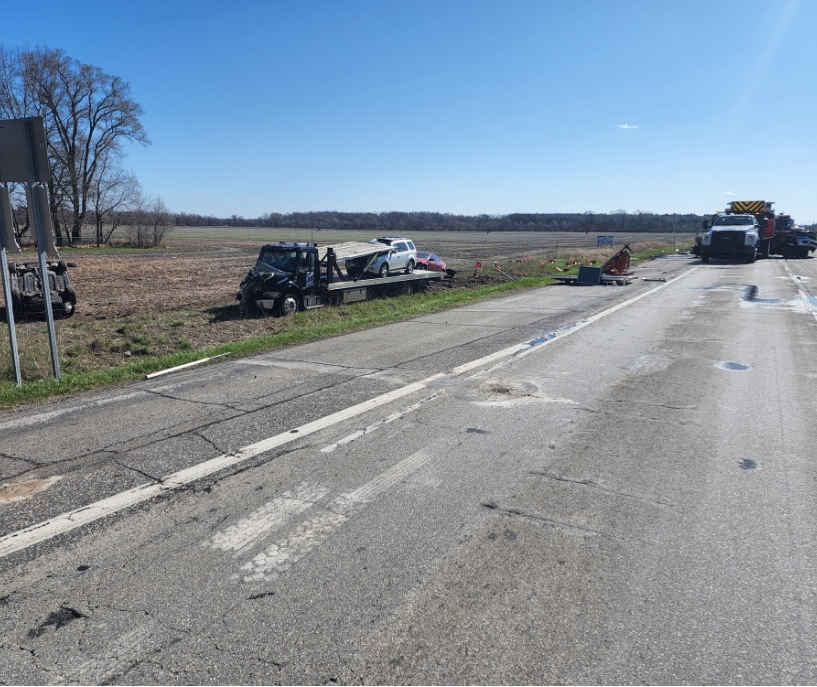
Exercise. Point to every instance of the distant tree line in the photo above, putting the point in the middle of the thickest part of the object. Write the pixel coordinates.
(408, 222)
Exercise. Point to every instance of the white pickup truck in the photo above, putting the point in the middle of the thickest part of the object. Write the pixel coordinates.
(731, 236)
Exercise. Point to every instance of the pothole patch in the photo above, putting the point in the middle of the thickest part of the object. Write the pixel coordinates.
(20, 491)
(505, 392)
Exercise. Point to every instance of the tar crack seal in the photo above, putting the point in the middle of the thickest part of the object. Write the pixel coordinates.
(58, 619)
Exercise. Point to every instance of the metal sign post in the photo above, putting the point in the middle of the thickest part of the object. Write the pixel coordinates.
(24, 158)
(38, 207)
(7, 240)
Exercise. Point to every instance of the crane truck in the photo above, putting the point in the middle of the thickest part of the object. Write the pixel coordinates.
(290, 277)
(733, 233)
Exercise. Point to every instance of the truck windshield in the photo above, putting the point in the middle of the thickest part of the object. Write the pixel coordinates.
(733, 219)
(280, 258)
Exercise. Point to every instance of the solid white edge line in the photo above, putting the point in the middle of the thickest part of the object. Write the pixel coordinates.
(36, 534)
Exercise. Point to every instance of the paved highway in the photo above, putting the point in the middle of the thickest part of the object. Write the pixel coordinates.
(578, 484)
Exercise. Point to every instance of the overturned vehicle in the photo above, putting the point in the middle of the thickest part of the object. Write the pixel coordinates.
(27, 295)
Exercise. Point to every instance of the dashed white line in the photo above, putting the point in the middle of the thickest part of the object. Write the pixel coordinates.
(377, 425)
(243, 535)
(35, 534)
(285, 553)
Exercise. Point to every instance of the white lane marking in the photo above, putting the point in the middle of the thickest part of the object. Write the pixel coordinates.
(29, 420)
(271, 516)
(35, 534)
(571, 329)
(806, 298)
(380, 423)
(309, 535)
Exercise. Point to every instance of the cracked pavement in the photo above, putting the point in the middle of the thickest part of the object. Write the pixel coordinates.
(580, 513)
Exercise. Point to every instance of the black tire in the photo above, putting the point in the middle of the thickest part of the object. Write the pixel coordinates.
(384, 270)
(751, 257)
(12, 267)
(410, 267)
(704, 258)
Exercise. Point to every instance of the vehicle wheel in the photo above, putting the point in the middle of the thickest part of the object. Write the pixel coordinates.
(12, 267)
(384, 270)
(290, 305)
(751, 257)
(68, 309)
(802, 254)
(410, 267)
(704, 258)
(69, 296)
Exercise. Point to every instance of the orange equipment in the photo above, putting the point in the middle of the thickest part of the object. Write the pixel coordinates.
(619, 264)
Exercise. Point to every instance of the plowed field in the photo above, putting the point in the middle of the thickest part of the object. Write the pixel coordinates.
(134, 303)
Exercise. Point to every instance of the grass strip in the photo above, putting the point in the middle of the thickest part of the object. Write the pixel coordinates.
(300, 328)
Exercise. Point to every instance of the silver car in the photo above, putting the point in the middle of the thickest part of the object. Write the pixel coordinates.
(403, 256)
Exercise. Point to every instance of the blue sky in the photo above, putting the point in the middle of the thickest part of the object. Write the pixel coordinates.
(462, 106)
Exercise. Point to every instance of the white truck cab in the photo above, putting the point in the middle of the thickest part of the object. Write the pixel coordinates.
(731, 236)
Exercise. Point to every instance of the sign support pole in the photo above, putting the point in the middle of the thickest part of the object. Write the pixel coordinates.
(35, 203)
(6, 236)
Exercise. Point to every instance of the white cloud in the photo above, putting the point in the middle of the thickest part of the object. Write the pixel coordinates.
(628, 126)
(729, 193)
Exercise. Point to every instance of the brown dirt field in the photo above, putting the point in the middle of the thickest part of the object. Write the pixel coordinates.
(133, 303)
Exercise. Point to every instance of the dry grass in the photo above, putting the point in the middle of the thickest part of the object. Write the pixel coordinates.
(138, 304)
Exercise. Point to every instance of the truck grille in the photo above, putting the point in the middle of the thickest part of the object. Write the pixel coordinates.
(728, 239)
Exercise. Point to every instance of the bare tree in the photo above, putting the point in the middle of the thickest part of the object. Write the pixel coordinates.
(113, 194)
(89, 115)
(148, 222)
(161, 221)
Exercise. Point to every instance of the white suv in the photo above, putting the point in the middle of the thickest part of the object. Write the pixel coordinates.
(403, 256)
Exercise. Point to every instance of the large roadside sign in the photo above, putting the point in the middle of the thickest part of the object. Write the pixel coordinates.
(23, 151)
(24, 159)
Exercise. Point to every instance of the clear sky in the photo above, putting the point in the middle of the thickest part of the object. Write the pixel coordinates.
(461, 106)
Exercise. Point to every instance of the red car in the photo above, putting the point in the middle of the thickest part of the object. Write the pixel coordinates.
(430, 262)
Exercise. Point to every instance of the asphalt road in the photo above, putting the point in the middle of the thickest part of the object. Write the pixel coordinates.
(579, 484)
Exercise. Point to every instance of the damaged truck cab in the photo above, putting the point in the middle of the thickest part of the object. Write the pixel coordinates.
(290, 277)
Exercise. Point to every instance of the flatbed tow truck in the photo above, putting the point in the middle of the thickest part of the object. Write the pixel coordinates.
(291, 277)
